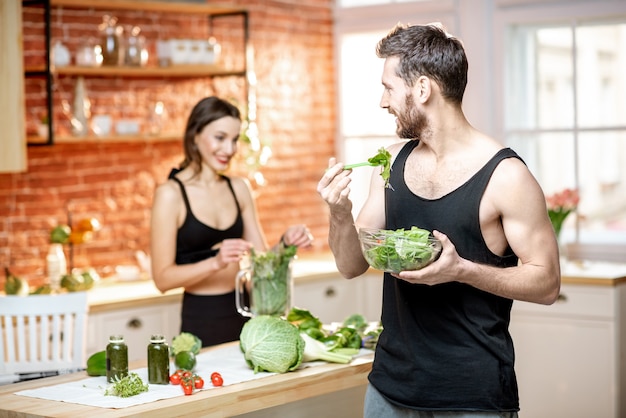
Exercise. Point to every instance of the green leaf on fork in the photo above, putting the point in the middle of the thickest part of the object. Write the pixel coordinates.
(383, 159)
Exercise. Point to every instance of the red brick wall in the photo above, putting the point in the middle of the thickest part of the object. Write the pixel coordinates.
(114, 181)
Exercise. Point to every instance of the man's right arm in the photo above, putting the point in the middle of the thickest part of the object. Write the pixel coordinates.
(343, 233)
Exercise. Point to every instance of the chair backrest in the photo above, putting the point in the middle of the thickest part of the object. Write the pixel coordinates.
(42, 333)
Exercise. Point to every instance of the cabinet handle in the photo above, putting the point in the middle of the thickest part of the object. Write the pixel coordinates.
(330, 292)
(561, 298)
(134, 323)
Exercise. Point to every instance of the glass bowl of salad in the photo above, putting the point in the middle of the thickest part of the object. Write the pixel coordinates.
(399, 250)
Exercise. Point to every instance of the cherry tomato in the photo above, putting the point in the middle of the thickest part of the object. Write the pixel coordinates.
(198, 382)
(188, 389)
(186, 374)
(175, 379)
(216, 379)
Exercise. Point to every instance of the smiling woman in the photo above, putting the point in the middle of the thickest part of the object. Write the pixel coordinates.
(204, 222)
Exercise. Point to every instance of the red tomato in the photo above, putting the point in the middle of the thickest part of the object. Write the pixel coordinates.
(186, 374)
(175, 379)
(216, 379)
(188, 389)
(198, 382)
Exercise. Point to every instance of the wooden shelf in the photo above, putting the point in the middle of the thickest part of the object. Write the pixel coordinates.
(183, 71)
(174, 71)
(93, 139)
(149, 6)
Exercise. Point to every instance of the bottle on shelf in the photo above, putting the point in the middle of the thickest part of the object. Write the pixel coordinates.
(56, 265)
(111, 41)
(81, 110)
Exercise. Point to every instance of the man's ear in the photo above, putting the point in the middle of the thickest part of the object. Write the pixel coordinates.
(422, 89)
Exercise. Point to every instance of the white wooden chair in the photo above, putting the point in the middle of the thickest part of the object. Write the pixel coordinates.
(42, 334)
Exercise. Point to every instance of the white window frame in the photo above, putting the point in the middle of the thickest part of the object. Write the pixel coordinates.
(482, 26)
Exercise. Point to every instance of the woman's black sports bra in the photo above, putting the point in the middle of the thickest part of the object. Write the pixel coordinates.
(195, 240)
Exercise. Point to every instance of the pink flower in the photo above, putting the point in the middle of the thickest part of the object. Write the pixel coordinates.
(566, 199)
(560, 205)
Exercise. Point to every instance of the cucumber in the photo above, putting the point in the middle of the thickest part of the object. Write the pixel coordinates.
(97, 364)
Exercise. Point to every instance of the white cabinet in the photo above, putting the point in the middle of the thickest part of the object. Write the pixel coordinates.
(136, 325)
(571, 356)
(331, 300)
(334, 298)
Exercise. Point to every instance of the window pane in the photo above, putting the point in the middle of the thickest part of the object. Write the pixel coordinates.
(550, 157)
(601, 66)
(555, 100)
(602, 178)
(361, 88)
(540, 79)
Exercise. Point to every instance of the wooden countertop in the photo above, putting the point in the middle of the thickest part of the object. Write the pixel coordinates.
(110, 295)
(226, 401)
(593, 273)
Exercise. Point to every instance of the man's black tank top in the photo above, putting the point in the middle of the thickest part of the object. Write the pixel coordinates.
(445, 347)
(194, 239)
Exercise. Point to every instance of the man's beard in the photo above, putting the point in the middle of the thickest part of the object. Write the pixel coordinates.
(412, 123)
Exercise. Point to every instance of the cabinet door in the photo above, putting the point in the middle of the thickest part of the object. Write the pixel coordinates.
(371, 295)
(565, 366)
(136, 325)
(331, 300)
(13, 143)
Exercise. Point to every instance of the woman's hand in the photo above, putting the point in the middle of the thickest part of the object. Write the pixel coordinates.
(231, 251)
(298, 235)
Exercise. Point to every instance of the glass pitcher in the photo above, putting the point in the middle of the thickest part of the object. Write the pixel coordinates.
(268, 282)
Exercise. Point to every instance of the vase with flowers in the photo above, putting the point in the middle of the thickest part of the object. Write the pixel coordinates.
(560, 205)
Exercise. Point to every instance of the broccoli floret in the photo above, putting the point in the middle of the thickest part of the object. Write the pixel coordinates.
(185, 341)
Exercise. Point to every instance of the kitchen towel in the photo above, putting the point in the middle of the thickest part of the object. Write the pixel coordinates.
(228, 361)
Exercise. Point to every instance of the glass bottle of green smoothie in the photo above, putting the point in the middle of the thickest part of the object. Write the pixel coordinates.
(158, 361)
(117, 358)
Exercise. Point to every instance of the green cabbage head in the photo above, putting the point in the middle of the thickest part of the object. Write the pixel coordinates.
(271, 344)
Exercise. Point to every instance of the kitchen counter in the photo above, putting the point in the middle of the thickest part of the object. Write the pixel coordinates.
(593, 273)
(111, 294)
(248, 397)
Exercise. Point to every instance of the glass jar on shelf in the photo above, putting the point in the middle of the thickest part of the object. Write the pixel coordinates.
(111, 41)
(136, 53)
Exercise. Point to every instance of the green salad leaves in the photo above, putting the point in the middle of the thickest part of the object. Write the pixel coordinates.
(383, 159)
(271, 291)
(402, 249)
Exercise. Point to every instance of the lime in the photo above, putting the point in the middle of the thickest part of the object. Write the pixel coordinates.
(185, 360)
(60, 234)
